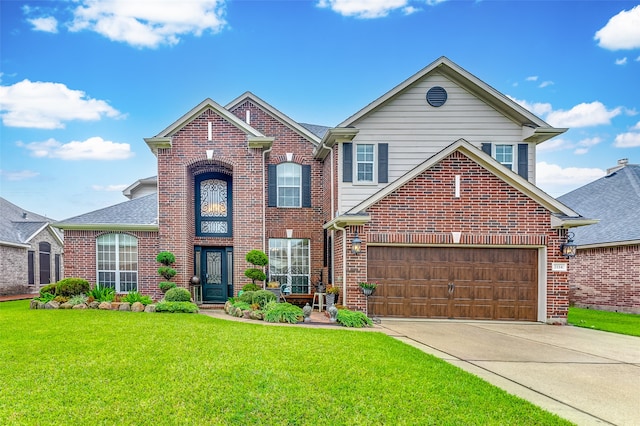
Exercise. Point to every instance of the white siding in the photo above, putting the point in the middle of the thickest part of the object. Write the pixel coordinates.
(415, 131)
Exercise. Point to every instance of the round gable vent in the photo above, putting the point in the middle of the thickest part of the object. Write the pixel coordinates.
(436, 96)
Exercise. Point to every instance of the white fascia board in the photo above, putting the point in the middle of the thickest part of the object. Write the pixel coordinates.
(106, 227)
(333, 136)
(347, 220)
(609, 244)
(53, 232)
(16, 245)
(570, 222)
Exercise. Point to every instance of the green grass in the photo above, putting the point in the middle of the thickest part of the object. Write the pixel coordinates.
(607, 321)
(109, 367)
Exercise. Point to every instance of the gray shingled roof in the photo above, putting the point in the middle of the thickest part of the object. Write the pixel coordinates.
(317, 130)
(615, 200)
(139, 211)
(15, 227)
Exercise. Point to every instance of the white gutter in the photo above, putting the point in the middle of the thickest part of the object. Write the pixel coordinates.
(17, 245)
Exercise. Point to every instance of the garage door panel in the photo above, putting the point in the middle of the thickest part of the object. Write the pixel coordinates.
(489, 283)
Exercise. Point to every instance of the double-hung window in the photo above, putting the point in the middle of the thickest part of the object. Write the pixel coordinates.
(289, 263)
(117, 262)
(289, 185)
(364, 162)
(505, 155)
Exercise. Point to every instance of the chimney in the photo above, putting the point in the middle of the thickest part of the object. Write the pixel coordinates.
(621, 163)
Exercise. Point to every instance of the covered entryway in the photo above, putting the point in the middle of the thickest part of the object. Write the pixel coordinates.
(214, 266)
(454, 282)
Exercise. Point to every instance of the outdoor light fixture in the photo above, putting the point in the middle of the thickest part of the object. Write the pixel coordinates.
(356, 244)
(569, 249)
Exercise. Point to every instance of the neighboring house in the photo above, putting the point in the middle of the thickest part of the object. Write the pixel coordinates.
(30, 251)
(436, 178)
(605, 274)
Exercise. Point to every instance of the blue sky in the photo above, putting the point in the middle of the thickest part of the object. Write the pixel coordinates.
(83, 82)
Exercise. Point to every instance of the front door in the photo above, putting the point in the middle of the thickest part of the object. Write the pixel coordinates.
(214, 275)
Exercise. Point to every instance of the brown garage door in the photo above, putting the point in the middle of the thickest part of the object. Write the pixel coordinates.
(461, 283)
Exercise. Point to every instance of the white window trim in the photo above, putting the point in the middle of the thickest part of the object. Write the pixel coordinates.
(355, 179)
(289, 242)
(117, 270)
(278, 187)
(514, 150)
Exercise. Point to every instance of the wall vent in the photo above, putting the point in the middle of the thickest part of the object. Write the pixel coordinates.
(436, 96)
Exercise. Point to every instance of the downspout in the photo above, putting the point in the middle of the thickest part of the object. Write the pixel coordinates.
(344, 261)
(264, 206)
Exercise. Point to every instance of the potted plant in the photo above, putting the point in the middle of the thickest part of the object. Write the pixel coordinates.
(368, 288)
(332, 294)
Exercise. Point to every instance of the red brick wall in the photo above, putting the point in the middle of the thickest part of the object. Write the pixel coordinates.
(606, 278)
(80, 258)
(488, 212)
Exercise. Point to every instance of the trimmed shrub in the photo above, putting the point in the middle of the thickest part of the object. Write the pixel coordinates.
(185, 307)
(48, 289)
(177, 294)
(246, 297)
(251, 287)
(262, 297)
(166, 285)
(167, 272)
(71, 286)
(353, 319)
(282, 312)
(166, 258)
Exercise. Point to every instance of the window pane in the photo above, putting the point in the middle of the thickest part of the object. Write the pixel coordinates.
(213, 198)
(504, 154)
(117, 261)
(364, 162)
(289, 263)
(289, 184)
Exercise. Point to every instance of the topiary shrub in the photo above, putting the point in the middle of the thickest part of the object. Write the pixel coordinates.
(246, 297)
(177, 294)
(166, 285)
(185, 307)
(262, 297)
(167, 272)
(48, 289)
(251, 287)
(71, 286)
(258, 259)
(166, 258)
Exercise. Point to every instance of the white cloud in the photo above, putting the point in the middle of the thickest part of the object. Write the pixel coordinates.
(583, 115)
(638, 59)
(94, 148)
(149, 24)
(532, 78)
(18, 175)
(366, 9)
(580, 148)
(410, 10)
(538, 108)
(109, 188)
(556, 180)
(627, 140)
(621, 32)
(45, 105)
(622, 61)
(48, 24)
(545, 84)
(637, 126)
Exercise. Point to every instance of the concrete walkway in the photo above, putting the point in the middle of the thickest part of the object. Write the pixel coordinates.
(586, 376)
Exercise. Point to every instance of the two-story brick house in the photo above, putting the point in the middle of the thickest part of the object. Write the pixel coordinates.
(435, 178)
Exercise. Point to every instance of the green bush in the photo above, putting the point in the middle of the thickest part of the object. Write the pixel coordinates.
(282, 312)
(61, 299)
(246, 297)
(48, 289)
(133, 297)
(257, 257)
(102, 293)
(251, 287)
(353, 318)
(262, 297)
(241, 305)
(167, 272)
(166, 285)
(177, 294)
(166, 258)
(71, 286)
(186, 307)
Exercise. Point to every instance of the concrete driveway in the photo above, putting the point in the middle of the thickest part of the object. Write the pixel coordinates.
(586, 376)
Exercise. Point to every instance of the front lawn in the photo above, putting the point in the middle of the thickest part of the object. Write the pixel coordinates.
(110, 367)
(614, 322)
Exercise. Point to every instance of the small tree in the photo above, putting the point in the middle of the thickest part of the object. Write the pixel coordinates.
(259, 260)
(166, 258)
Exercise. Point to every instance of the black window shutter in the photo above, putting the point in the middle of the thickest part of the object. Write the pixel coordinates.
(383, 162)
(272, 176)
(486, 147)
(523, 160)
(306, 185)
(347, 162)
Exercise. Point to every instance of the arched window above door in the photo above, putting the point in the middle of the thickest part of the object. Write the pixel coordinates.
(213, 205)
